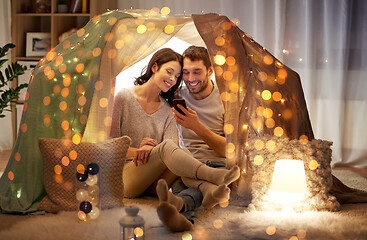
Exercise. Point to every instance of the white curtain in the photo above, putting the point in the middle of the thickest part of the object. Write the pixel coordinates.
(6, 136)
(325, 41)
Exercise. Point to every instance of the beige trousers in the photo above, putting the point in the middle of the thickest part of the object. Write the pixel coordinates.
(166, 156)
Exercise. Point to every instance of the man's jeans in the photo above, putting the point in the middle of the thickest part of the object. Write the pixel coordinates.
(192, 196)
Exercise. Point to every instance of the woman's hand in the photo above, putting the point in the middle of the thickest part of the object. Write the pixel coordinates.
(149, 141)
(142, 154)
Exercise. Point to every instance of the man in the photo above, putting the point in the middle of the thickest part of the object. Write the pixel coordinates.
(201, 132)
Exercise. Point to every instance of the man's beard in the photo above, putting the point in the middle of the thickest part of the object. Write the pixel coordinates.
(203, 87)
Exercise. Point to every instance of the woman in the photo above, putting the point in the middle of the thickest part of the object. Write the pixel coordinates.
(143, 113)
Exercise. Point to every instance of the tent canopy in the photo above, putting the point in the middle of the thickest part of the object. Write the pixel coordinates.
(71, 92)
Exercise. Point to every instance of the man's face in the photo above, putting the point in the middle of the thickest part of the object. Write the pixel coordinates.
(196, 76)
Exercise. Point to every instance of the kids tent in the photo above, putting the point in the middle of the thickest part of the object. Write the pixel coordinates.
(71, 92)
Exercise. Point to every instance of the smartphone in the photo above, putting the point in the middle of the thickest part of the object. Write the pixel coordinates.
(181, 102)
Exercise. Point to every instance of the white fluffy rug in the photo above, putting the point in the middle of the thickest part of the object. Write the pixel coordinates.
(220, 223)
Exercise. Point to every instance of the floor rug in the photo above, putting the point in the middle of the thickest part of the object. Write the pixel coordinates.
(232, 222)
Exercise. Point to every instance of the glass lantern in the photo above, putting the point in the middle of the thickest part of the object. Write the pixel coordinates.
(132, 225)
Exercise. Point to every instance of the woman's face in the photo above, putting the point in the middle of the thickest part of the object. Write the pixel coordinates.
(166, 76)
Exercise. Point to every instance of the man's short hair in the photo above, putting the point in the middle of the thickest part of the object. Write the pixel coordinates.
(195, 53)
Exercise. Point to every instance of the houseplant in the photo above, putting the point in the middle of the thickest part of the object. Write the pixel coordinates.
(9, 94)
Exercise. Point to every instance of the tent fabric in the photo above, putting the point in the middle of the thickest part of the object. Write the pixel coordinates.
(71, 91)
(261, 95)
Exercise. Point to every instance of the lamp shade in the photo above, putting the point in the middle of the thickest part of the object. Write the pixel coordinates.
(288, 184)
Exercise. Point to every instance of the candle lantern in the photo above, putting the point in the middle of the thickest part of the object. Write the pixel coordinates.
(132, 225)
(288, 185)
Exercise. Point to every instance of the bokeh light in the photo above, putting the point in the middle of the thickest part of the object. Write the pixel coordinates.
(219, 41)
(11, 175)
(63, 106)
(103, 102)
(266, 94)
(65, 92)
(17, 156)
(138, 232)
(287, 114)
(186, 236)
(260, 111)
(224, 204)
(313, 164)
(66, 44)
(65, 125)
(259, 144)
(24, 127)
(65, 161)
(228, 75)
(96, 52)
(79, 67)
(230, 147)
(80, 168)
(230, 61)
(228, 128)
(165, 11)
(262, 76)
(269, 123)
(80, 32)
(73, 155)
(258, 160)
(77, 138)
(219, 59)
(218, 224)
(58, 169)
(277, 96)
(303, 139)
(141, 29)
(169, 29)
(270, 145)
(268, 59)
(58, 178)
(278, 131)
(271, 230)
(56, 89)
(268, 113)
(82, 100)
(111, 21)
(226, 26)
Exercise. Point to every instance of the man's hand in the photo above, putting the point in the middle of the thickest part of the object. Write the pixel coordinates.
(190, 120)
(149, 141)
(142, 154)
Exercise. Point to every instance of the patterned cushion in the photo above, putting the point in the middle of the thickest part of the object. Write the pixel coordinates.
(60, 160)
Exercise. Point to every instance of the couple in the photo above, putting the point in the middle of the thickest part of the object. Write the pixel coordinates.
(145, 114)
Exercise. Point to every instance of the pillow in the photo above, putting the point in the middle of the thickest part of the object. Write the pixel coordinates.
(60, 160)
(316, 156)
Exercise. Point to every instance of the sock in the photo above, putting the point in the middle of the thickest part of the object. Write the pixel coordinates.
(218, 176)
(213, 194)
(164, 195)
(172, 219)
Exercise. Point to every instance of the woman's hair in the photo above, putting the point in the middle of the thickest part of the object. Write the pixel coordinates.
(161, 57)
